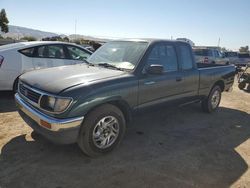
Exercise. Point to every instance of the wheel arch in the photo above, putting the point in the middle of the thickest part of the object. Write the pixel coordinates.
(119, 103)
(219, 83)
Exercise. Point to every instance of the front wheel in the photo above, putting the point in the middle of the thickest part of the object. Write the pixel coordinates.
(212, 102)
(102, 130)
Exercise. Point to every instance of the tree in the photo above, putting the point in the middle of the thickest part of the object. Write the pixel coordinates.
(223, 49)
(65, 39)
(244, 49)
(29, 38)
(4, 21)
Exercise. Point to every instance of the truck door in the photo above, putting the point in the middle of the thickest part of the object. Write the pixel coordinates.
(190, 74)
(154, 89)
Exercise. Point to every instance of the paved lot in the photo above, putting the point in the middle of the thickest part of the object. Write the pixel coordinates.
(178, 147)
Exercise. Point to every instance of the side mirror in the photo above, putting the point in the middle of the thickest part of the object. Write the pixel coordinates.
(155, 69)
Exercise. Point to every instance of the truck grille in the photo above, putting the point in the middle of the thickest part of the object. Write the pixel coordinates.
(29, 93)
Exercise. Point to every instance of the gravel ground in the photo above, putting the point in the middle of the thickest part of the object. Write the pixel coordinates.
(177, 147)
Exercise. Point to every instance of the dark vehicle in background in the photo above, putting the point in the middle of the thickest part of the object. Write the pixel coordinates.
(209, 55)
(243, 59)
(232, 56)
(92, 103)
(238, 59)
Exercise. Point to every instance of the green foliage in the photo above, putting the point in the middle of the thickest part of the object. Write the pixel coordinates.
(29, 38)
(223, 49)
(65, 39)
(56, 38)
(244, 49)
(4, 21)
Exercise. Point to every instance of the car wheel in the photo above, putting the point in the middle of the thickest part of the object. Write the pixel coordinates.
(242, 85)
(212, 102)
(102, 130)
(15, 86)
(248, 87)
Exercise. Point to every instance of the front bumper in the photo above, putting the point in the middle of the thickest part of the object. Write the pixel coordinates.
(63, 131)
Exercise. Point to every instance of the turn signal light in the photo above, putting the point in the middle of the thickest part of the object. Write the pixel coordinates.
(45, 124)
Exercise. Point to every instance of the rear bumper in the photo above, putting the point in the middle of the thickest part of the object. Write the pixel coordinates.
(63, 131)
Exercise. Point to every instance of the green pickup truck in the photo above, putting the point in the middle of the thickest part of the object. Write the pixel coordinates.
(92, 103)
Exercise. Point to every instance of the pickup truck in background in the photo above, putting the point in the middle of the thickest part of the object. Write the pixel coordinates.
(232, 56)
(92, 103)
(243, 59)
(238, 59)
(209, 55)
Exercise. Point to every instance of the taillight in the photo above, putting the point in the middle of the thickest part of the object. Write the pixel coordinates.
(1, 60)
(205, 60)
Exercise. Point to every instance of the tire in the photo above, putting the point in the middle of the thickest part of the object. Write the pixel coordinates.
(242, 85)
(93, 136)
(212, 102)
(15, 86)
(248, 87)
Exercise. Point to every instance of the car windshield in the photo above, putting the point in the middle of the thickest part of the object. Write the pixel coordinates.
(202, 52)
(119, 54)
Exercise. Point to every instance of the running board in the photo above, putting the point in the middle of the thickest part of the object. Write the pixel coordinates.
(191, 102)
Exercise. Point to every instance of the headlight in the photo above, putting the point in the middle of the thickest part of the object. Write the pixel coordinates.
(54, 104)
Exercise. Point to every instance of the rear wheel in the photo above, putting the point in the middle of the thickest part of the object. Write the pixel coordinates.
(248, 87)
(242, 85)
(212, 102)
(102, 130)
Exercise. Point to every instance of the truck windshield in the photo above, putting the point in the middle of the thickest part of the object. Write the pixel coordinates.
(119, 54)
(202, 52)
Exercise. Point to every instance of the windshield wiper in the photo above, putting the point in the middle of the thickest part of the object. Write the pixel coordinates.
(87, 62)
(107, 65)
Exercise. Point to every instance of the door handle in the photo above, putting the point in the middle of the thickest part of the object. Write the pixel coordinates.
(178, 79)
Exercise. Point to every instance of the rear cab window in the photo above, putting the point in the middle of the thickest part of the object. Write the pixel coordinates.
(186, 59)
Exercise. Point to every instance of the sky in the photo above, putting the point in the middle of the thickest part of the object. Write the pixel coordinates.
(202, 21)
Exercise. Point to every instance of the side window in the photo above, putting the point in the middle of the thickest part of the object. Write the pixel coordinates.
(216, 54)
(28, 52)
(42, 52)
(77, 53)
(164, 55)
(186, 57)
(56, 51)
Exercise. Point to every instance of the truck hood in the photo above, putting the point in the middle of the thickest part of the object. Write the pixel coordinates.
(56, 79)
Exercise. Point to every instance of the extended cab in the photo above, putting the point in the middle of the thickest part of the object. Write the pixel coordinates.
(91, 103)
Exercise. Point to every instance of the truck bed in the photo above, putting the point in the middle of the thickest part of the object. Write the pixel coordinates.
(212, 73)
(209, 65)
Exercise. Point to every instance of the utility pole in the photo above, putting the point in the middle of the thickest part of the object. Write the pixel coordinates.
(75, 27)
(219, 42)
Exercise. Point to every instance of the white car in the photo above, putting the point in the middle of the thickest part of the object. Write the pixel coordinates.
(18, 58)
